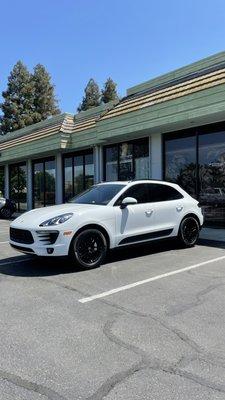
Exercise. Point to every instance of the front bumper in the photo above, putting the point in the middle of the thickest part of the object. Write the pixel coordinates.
(42, 247)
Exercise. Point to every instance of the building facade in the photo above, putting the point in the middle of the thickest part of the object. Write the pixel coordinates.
(171, 127)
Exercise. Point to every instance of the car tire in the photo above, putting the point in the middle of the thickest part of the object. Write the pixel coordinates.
(188, 231)
(88, 248)
(6, 213)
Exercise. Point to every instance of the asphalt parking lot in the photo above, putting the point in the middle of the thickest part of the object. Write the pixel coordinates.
(149, 324)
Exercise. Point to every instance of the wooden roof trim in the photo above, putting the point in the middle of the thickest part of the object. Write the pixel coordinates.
(167, 89)
(157, 95)
(26, 139)
(164, 99)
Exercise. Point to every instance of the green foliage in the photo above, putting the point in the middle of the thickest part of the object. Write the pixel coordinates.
(29, 98)
(109, 92)
(45, 103)
(17, 107)
(92, 96)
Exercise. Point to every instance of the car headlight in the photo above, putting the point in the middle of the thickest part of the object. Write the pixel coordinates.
(60, 219)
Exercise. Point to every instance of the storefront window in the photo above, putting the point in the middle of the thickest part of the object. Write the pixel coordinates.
(2, 181)
(127, 161)
(68, 177)
(89, 170)
(18, 185)
(180, 161)
(111, 163)
(44, 182)
(196, 161)
(78, 173)
(212, 176)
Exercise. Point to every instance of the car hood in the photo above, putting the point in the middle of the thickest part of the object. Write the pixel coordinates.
(37, 216)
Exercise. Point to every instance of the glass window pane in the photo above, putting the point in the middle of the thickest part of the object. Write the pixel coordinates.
(22, 183)
(50, 182)
(180, 162)
(89, 170)
(212, 176)
(141, 159)
(38, 184)
(2, 181)
(68, 178)
(13, 183)
(126, 169)
(111, 160)
(78, 174)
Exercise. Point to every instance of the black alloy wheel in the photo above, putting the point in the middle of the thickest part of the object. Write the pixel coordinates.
(89, 248)
(189, 231)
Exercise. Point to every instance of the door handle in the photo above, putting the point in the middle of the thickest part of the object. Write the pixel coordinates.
(148, 213)
(179, 208)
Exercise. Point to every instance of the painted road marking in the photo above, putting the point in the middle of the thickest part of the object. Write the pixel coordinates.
(154, 278)
(4, 242)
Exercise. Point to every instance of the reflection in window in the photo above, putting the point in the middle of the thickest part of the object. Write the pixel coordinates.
(212, 176)
(127, 161)
(2, 181)
(78, 174)
(111, 164)
(50, 182)
(89, 170)
(180, 162)
(68, 177)
(18, 185)
(44, 183)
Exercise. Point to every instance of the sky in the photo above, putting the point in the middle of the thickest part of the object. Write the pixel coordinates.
(130, 41)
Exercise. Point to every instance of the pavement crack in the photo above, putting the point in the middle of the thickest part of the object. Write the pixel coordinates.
(199, 300)
(30, 386)
(115, 380)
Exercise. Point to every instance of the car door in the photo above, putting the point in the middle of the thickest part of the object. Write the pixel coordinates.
(136, 221)
(168, 207)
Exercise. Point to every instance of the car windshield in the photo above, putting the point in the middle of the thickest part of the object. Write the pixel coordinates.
(98, 194)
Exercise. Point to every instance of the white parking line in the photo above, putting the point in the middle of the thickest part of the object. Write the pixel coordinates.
(154, 278)
(4, 242)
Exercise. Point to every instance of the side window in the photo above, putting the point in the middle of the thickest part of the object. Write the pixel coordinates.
(139, 192)
(158, 192)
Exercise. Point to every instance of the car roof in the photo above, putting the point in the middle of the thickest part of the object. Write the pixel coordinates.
(137, 181)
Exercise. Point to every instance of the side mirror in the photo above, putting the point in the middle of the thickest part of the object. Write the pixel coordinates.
(127, 201)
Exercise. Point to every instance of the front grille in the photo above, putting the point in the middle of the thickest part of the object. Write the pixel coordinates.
(47, 237)
(21, 236)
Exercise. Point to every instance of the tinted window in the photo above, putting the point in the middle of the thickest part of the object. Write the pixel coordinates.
(139, 192)
(158, 192)
(99, 194)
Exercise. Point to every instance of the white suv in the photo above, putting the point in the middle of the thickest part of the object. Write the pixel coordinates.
(106, 216)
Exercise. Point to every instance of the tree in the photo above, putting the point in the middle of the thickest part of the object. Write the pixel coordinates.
(91, 97)
(45, 102)
(109, 92)
(18, 104)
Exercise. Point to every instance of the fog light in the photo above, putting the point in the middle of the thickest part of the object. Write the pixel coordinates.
(49, 250)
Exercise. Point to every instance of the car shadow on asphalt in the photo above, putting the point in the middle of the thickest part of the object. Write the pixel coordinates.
(31, 266)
